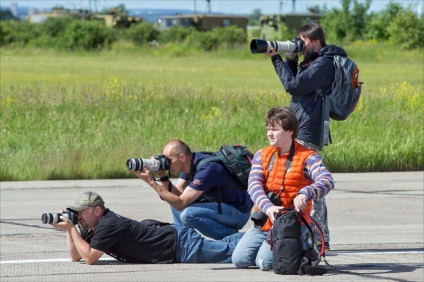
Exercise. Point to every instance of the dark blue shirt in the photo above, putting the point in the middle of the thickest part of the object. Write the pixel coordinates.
(212, 176)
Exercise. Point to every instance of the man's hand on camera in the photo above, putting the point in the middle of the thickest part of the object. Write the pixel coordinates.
(271, 52)
(161, 173)
(65, 224)
(146, 175)
(292, 55)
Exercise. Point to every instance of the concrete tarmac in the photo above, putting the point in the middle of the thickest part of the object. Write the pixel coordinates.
(376, 227)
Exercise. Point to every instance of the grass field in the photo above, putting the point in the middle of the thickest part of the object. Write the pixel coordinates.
(81, 115)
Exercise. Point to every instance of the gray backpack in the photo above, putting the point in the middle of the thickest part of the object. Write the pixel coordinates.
(344, 96)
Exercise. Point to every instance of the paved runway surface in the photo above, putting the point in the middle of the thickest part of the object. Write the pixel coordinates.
(376, 226)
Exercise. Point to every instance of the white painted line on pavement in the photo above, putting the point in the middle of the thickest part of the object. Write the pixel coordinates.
(44, 260)
(330, 253)
(375, 252)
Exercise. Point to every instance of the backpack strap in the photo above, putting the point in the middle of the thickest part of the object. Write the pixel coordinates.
(219, 196)
(270, 165)
(325, 121)
(306, 216)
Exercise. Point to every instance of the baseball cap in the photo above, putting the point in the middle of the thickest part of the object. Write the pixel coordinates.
(88, 199)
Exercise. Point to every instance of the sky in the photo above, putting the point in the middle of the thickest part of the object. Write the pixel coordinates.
(224, 6)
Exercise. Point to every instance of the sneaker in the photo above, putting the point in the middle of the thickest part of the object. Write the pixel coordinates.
(326, 246)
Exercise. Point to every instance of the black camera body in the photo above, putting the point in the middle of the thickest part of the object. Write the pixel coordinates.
(259, 218)
(160, 162)
(274, 198)
(53, 218)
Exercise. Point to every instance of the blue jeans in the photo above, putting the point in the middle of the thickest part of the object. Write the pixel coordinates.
(253, 250)
(194, 248)
(204, 217)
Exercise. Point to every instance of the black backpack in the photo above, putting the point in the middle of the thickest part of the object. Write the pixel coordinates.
(294, 252)
(236, 158)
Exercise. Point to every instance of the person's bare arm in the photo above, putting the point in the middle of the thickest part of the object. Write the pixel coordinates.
(77, 247)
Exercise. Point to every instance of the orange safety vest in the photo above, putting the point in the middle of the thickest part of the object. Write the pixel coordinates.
(294, 180)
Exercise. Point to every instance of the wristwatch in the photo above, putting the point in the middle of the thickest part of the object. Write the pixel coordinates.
(164, 178)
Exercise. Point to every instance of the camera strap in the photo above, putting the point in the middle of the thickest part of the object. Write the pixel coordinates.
(287, 165)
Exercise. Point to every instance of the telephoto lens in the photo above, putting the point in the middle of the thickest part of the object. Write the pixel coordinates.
(158, 163)
(50, 218)
(53, 218)
(135, 164)
(258, 46)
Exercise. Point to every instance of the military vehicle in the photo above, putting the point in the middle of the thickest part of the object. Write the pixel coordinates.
(58, 12)
(111, 18)
(271, 24)
(116, 18)
(202, 22)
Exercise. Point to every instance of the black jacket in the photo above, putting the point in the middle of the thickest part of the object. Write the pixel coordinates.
(305, 83)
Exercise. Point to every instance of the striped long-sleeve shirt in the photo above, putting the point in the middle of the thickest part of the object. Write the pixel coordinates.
(314, 170)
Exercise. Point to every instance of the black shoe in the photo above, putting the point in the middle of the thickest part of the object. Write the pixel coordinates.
(327, 247)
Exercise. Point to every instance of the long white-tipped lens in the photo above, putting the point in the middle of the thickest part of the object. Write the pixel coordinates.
(130, 164)
(135, 164)
(151, 164)
(283, 46)
(50, 218)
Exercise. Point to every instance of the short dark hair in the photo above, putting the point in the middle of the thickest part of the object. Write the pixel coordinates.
(313, 31)
(284, 117)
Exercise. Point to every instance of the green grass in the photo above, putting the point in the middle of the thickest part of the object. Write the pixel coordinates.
(81, 115)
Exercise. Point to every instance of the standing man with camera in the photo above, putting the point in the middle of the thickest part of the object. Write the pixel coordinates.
(206, 198)
(285, 174)
(307, 83)
(131, 241)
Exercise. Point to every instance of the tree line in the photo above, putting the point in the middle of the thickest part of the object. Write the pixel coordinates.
(351, 22)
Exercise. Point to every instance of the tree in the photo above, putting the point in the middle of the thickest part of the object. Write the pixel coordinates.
(407, 30)
(348, 23)
(6, 15)
(254, 17)
(379, 22)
